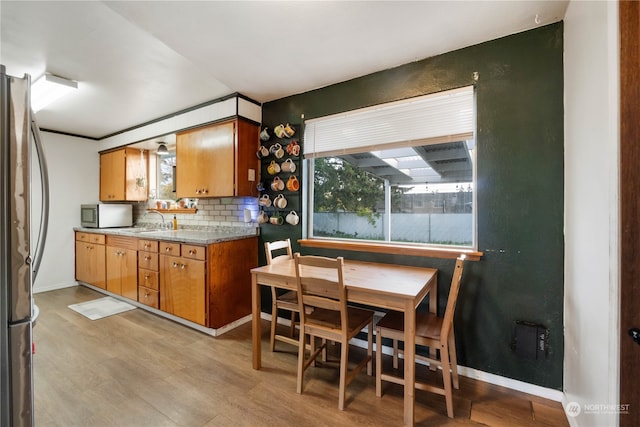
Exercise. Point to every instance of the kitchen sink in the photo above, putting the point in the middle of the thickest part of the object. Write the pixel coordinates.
(146, 230)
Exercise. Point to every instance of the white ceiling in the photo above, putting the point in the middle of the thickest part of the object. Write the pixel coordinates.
(136, 61)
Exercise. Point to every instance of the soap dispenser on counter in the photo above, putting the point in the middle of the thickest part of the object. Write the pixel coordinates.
(175, 222)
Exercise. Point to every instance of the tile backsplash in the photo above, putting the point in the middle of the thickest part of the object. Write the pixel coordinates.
(224, 211)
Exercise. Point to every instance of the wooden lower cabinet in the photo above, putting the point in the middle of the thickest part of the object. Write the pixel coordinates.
(207, 285)
(122, 266)
(90, 259)
(182, 287)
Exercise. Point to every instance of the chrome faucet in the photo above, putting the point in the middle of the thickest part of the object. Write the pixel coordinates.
(167, 225)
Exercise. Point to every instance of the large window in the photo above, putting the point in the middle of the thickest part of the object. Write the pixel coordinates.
(371, 180)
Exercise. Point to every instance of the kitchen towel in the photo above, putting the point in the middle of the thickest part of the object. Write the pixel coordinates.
(102, 307)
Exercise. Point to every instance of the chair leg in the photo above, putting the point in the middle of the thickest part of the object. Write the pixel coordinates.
(274, 322)
(454, 361)
(446, 378)
(293, 324)
(378, 363)
(301, 351)
(370, 349)
(312, 345)
(344, 363)
(395, 354)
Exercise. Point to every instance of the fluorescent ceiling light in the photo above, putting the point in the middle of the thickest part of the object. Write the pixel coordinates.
(49, 88)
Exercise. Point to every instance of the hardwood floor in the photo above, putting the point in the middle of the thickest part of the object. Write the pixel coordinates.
(137, 369)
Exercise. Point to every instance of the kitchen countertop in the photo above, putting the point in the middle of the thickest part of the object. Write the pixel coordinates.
(186, 235)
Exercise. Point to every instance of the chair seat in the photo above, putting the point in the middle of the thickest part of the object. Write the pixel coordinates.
(331, 318)
(288, 301)
(428, 325)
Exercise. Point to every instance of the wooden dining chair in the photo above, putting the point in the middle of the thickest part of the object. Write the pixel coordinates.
(284, 301)
(324, 314)
(432, 331)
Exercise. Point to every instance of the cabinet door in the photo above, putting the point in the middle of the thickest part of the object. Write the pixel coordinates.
(112, 173)
(114, 257)
(247, 164)
(98, 267)
(122, 272)
(205, 161)
(182, 288)
(136, 176)
(90, 264)
(129, 274)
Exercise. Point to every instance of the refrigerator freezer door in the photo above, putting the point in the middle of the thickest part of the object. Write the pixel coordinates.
(19, 198)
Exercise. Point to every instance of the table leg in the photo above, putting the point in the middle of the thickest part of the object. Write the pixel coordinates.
(433, 308)
(409, 362)
(433, 295)
(256, 331)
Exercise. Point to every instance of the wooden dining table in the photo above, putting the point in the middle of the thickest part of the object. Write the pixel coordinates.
(385, 286)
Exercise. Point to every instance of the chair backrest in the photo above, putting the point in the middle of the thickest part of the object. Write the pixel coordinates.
(271, 247)
(321, 285)
(447, 323)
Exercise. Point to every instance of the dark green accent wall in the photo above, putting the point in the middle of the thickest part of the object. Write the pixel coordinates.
(519, 190)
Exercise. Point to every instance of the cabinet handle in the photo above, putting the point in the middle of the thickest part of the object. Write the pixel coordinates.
(147, 245)
(147, 258)
(167, 249)
(146, 294)
(205, 191)
(197, 191)
(182, 266)
(146, 277)
(175, 264)
(192, 252)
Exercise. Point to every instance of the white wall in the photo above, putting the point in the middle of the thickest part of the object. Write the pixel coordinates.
(74, 177)
(591, 211)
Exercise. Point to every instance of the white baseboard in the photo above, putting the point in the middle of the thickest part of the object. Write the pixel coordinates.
(54, 287)
(536, 390)
(209, 331)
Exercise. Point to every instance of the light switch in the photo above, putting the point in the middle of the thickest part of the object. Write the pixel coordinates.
(252, 174)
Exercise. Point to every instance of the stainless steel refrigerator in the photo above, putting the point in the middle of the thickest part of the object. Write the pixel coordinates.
(20, 251)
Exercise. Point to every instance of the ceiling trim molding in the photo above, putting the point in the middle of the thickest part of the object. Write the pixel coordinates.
(186, 110)
(68, 134)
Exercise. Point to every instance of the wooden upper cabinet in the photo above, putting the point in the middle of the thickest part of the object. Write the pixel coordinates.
(124, 175)
(216, 160)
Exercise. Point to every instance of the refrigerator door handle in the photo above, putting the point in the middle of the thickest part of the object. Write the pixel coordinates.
(44, 214)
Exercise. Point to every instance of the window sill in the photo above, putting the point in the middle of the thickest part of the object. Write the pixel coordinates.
(391, 249)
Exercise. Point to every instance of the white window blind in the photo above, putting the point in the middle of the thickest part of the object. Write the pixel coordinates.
(440, 117)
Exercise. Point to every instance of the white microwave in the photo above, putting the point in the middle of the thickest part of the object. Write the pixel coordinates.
(101, 215)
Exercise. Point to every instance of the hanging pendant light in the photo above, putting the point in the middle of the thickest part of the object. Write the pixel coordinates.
(162, 149)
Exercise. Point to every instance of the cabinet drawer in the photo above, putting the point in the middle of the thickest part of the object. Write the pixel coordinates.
(168, 248)
(148, 260)
(90, 238)
(147, 245)
(148, 279)
(148, 297)
(194, 252)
